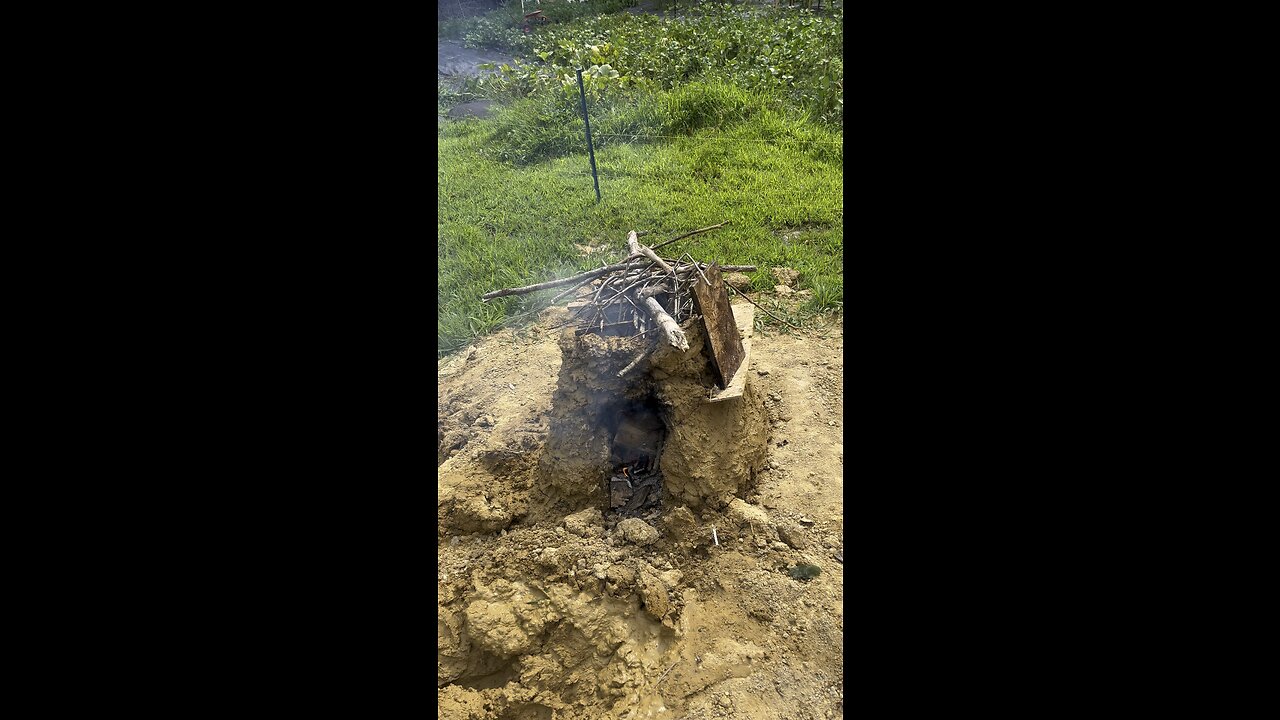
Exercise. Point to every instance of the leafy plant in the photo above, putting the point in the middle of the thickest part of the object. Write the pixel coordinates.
(793, 58)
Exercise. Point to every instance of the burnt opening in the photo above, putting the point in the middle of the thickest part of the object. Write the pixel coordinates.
(637, 433)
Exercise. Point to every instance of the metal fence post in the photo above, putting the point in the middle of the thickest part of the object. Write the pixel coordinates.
(582, 94)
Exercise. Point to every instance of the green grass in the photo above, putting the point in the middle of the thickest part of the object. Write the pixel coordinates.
(775, 177)
(722, 112)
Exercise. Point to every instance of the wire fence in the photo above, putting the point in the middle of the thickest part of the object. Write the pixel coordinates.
(778, 142)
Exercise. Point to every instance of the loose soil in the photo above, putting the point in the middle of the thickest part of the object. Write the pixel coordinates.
(550, 609)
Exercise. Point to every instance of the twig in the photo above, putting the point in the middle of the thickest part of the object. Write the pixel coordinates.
(633, 363)
(588, 275)
(723, 268)
(638, 281)
(638, 249)
(675, 299)
(695, 232)
(766, 312)
(601, 288)
(566, 292)
(633, 302)
(592, 321)
(664, 675)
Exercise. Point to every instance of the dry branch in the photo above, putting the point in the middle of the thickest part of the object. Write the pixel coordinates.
(672, 332)
(723, 268)
(588, 275)
(593, 274)
(638, 249)
(633, 363)
(557, 298)
(634, 285)
(689, 234)
(753, 302)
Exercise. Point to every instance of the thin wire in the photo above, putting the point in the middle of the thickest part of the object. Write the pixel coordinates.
(741, 140)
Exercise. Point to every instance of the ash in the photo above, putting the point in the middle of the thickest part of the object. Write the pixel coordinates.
(635, 490)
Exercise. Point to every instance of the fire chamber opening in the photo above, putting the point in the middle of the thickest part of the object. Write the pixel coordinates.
(634, 486)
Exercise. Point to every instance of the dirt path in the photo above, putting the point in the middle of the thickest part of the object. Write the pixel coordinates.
(549, 612)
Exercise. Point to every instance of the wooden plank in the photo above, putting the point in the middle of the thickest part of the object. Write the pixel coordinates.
(723, 342)
(739, 383)
(745, 316)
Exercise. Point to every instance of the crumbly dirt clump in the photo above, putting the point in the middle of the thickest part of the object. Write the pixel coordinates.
(550, 608)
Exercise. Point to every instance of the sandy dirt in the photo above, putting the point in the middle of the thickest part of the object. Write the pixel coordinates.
(550, 609)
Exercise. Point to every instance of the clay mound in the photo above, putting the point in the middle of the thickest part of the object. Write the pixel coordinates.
(712, 451)
(554, 604)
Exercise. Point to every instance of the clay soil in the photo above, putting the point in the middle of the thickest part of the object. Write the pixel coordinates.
(550, 609)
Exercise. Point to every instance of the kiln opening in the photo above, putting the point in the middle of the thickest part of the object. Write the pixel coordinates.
(634, 487)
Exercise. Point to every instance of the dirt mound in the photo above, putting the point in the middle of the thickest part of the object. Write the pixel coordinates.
(552, 603)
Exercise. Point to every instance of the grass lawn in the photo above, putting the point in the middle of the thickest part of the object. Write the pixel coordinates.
(502, 226)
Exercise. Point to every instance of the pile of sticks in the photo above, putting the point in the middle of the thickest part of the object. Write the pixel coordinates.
(629, 298)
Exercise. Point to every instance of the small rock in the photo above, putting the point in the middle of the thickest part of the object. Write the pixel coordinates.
(779, 546)
(793, 536)
(637, 531)
(783, 290)
(744, 514)
(762, 373)
(785, 275)
(740, 281)
(585, 523)
(804, 520)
